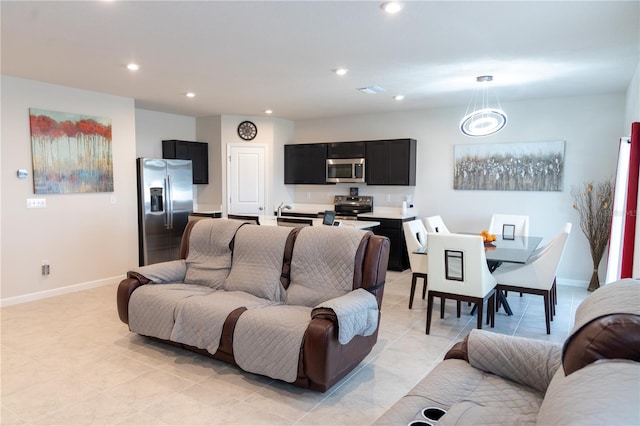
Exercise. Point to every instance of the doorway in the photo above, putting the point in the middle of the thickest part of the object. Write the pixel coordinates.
(245, 179)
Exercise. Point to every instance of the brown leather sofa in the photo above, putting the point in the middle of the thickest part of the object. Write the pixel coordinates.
(489, 378)
(322, 359)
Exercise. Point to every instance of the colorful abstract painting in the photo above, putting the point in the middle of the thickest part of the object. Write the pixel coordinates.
(70, 152)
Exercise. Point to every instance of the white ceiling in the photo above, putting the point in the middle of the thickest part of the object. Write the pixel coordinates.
(242, 57)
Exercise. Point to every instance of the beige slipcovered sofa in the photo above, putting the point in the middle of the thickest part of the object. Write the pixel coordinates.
(593, 379)
(300, 305)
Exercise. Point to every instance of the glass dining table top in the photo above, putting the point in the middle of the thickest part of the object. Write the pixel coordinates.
(517, 250)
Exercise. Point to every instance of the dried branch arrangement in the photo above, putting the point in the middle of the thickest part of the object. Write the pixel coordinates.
(594, 204)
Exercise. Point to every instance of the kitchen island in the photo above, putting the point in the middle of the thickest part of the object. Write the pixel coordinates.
(358, 224)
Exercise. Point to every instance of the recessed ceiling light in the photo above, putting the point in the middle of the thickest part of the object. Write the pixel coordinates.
(268, 111)
(398, 97)
(341, 71)
(133, 67)
(391, 7)
(190, 95)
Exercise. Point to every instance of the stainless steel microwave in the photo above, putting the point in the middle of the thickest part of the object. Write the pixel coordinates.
(345, 170)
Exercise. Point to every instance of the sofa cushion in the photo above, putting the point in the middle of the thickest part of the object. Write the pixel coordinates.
(152, 307)
(257, 261)
(209, 257)
(323, 264)
(199, 320)
(588, 396)
(607, 326)
(457, 387)
(268, 340)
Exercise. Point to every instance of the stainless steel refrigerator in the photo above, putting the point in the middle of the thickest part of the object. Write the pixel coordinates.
(165, 200)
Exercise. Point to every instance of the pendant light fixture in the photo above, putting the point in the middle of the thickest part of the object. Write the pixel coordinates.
(483, 120)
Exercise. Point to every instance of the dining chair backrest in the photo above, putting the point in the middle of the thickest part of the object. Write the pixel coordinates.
(498, 220)
(435, 224)
(457, 264)
(295, 222)
(542, 267)
(415, 236)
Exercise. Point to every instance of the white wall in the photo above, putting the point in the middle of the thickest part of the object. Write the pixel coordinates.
(633, 102)
(153, 127)
(87, 240)
(589, 125)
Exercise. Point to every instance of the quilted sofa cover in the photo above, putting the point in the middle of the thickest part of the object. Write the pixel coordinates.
(300, 305)
(492, 379)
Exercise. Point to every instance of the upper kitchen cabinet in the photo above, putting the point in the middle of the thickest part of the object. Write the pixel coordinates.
(391, 162)
(305, 163)
(197, 152)
(346, 150)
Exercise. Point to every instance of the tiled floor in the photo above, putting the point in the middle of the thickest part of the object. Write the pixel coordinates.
(68, 360)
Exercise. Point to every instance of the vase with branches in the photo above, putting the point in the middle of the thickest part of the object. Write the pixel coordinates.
(594, 201)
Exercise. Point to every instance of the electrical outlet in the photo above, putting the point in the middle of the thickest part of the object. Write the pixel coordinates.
(36, 203)
(388, 198)
(46, 270)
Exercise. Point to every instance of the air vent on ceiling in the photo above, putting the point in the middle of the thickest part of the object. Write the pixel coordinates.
(371, 90)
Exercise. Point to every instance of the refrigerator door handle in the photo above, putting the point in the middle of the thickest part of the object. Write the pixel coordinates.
(169, 203)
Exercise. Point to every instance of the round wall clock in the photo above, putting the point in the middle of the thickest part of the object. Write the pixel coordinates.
(247, 130)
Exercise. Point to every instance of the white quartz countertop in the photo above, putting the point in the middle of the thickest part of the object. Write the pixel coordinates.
(378, 212)
(358, 224)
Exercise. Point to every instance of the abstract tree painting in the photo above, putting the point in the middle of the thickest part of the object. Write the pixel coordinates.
(70, 152)
(528, 166)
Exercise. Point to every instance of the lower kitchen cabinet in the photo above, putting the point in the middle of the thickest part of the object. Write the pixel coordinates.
(392, 229)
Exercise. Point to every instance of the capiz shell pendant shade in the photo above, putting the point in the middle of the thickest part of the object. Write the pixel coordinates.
(483, 120)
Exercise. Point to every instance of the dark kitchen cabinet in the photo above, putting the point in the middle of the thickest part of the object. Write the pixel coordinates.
(197, 152)
(346, 150)
(392, 229)
(391, 162)
(305, 163)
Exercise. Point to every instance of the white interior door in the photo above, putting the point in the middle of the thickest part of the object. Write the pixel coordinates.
(245, 183)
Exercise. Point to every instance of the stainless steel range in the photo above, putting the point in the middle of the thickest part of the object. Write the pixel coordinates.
(348, 207)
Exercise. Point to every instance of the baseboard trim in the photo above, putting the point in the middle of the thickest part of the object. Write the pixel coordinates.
(9, 301)
(572, 283)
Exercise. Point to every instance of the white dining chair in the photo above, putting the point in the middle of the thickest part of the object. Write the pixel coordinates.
(415, 236)
(520, 223)
(458, 270)
(538, 275)
(435, 224)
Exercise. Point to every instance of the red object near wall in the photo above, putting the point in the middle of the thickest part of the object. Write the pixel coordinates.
(632, 204)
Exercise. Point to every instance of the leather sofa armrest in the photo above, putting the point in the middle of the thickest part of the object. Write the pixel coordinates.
(527, 361)
(324, 313)
(125, 288)
(459, 351)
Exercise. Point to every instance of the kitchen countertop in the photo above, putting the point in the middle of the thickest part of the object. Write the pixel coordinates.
(378, 212)
(358, 224)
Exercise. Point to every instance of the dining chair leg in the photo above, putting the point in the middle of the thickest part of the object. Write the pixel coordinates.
(424, 287)
(442, 299)
(493, 300)
(480, 306)
(547, 311)
(414, 279)
(458, 308)
(429, 311)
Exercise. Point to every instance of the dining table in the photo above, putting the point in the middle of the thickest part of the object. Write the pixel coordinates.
(504, 250)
